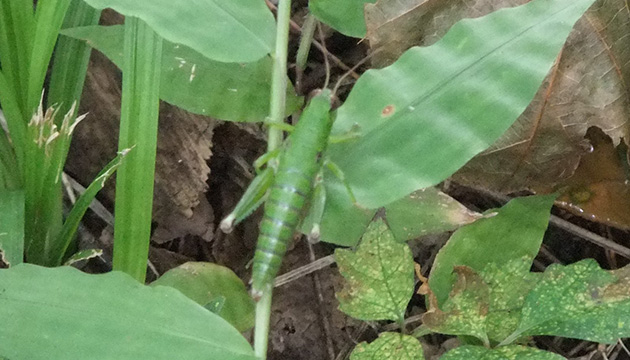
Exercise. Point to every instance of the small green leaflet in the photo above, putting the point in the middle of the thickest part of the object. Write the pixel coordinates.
(389, 346)
(379, 276)
(514, 352)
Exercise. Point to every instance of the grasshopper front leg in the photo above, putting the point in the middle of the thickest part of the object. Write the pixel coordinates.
(254, 196)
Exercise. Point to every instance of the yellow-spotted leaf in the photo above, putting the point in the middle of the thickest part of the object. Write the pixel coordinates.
(389, 346)
(378, 276)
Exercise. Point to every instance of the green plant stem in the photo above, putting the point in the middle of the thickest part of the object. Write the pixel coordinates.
(263, 314)
(138, 130)
(279, 76)
(277, 110)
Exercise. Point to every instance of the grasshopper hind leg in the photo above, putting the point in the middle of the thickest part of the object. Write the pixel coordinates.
(316, 213)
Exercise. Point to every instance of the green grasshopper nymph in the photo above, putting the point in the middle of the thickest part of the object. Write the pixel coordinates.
(290, 189)
(294, 178)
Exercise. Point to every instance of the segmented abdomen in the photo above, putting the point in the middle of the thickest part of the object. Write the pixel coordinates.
(282, 214)
(292, 186)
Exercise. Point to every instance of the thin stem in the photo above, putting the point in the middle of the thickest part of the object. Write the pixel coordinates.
(279, 76)
(263, 314)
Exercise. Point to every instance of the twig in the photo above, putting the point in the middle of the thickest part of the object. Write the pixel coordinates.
(320, 300)
(574, 229)
(304, 270)
(296, 28)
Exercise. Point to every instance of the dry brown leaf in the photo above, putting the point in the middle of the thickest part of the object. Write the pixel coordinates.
(587, 87)
(599, 189)
(394, 26)
(184, 142)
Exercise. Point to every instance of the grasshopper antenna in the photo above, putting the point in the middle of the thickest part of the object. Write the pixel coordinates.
(347, 73)
(320, 32)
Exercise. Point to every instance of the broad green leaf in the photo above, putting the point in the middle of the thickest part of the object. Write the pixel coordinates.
(579, 300)
(394, 26)
(426, 115)
(514, 352)
(227, 31)
(11, 228)
(226, 91)
(344, 16)
(427, 211)
(584, 90)
(464, 312)
(379, 276)
(62, 313)
(515, 232)
(206, 283)
(389, 346)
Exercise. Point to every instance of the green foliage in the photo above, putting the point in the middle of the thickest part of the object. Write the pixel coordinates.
(139, 112)
(71, 58)
(389, 346)
(11, 227)
(227, 31)
(207, 284)
(427, 211)
(344, 16)
(464, 313)
(226, 91)
(379, 276)
(579, 301)
(514, 352)
(73, 219)
(74, 315)
(470, 80)
(516, 231)
(500, 304)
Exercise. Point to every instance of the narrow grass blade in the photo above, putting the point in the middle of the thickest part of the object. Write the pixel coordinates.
(11, 228)
(71, 224)
(71, 58)
(48, 19)
(138, 128)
